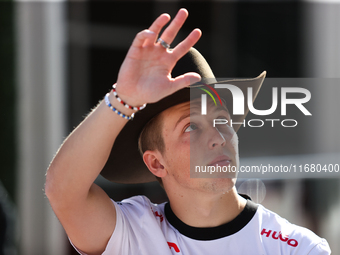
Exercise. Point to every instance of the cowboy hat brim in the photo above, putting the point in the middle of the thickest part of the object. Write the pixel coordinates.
(125, 164)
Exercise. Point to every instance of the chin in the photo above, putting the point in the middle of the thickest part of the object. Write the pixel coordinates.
(218, 185)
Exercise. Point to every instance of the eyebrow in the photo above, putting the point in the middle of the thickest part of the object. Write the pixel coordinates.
(217, 109)
(222, 108)
(184, 117)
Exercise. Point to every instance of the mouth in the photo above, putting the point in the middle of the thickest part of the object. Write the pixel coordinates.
(221, 161)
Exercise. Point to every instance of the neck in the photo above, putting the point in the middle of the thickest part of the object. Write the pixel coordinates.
(201, 209)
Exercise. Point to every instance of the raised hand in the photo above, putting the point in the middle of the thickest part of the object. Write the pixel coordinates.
(145, 75)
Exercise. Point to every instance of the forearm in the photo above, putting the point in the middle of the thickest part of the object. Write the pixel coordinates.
(84, 153)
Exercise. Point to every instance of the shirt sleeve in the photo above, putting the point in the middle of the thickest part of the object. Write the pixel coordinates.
(321, 248)
(129, 224)
(129, 221)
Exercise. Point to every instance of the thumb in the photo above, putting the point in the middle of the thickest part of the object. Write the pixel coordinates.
(184, 80)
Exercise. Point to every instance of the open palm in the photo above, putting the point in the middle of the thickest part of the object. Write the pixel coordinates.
(145, 75)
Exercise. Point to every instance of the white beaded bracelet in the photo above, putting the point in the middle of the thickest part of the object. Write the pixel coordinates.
(107, 101)
(138, 108)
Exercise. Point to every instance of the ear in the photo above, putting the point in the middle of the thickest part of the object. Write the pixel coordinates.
(153, 160)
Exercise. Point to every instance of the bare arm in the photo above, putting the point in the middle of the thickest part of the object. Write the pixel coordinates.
(83, 208)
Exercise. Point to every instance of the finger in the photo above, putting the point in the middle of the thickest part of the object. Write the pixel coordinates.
(148, 36)
(184, 80)
(171, 31)
(142, 36)
(183, 47)
(159, 23)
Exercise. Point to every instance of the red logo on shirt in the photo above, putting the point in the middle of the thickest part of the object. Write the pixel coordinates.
(157, 214)
(278, 236)
(173, 245)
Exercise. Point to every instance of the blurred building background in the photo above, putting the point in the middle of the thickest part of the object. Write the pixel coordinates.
(58, 59)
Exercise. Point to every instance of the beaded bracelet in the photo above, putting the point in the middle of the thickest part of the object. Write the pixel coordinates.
(125, 104)
(107, 101)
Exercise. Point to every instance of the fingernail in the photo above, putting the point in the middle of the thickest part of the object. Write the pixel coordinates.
(149, 31)
(195, 79)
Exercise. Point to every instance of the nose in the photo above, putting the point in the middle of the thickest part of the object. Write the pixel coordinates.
(216, 138)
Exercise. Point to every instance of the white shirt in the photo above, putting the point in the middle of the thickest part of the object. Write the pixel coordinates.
(146, 228)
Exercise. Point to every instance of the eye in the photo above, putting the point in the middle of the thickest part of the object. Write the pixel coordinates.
(191, 127)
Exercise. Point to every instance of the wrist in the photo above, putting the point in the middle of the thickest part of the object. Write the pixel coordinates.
(127, 100)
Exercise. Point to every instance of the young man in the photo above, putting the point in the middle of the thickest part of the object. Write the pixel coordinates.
(204, 215)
